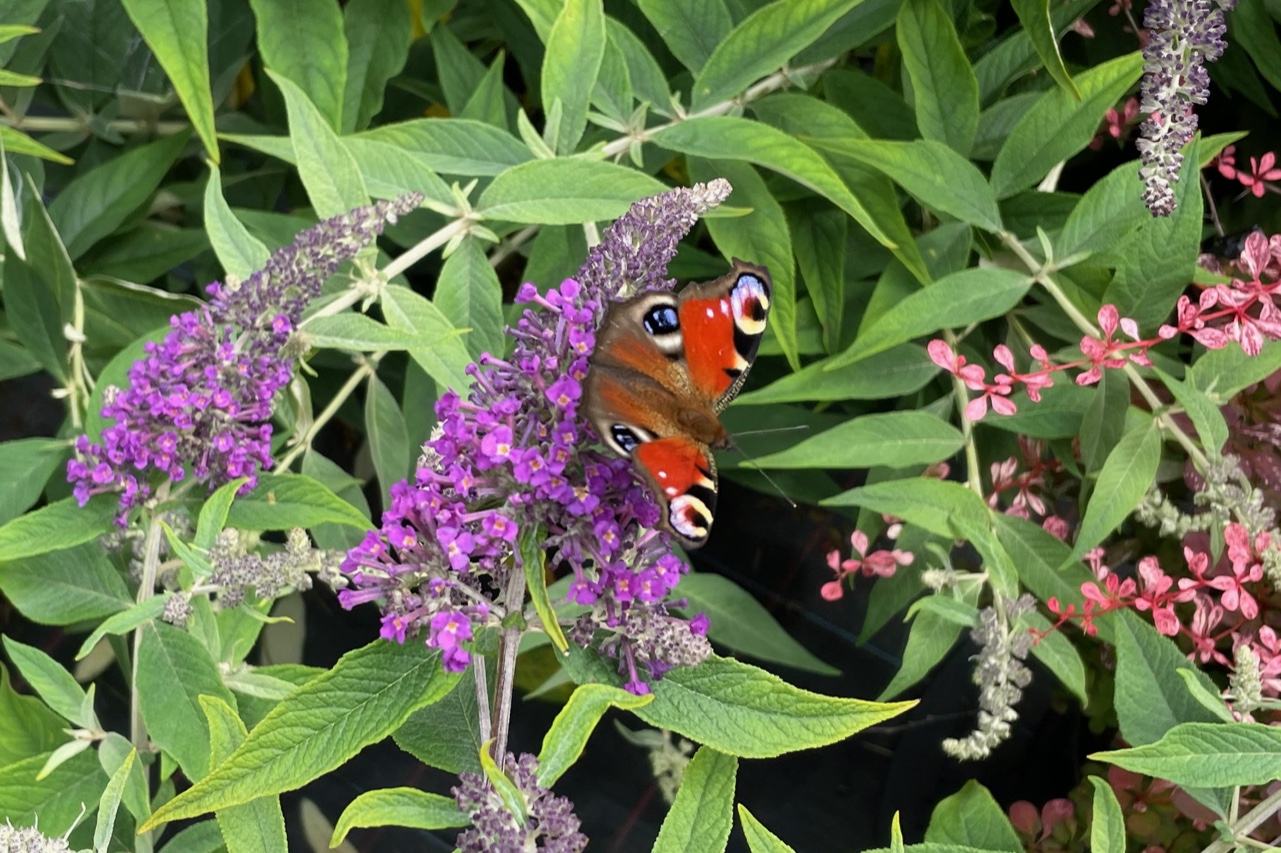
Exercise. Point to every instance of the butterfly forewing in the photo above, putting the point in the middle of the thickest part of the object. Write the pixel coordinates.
(663, 368)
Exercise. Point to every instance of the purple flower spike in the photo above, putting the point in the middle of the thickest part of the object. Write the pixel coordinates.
(514, 456)
(199, 402)
(1184, 35)
(551, 826)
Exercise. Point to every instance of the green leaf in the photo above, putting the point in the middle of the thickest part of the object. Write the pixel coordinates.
(445, 735)
(1059, 125)
(177, 32)
(1107, 824)
(440, 350)
(239, 252)
(761, 44)
(355, 333)
(304, 42)
(361, 700)
(819, 237)
(1034, 15)
(470, 296)
(174, 669)
(56, 527)
(1103, 423)
(378, 38)
(1214, 755)
(895, 439)
(743, 624)
(1016, 55)
(1206, 416)
(691, 29)
(569, 732)
(571, 64)
(1252, 27)
(1054, 649)
(1045, 563)
(1222, 373)
(703, 813)
(1110, 210)
(213, 514)
(32, 308)
(729, 138)
(51, 682)
(894, 372)
(929, 639)
(942, 507)
(741, 710)
(1159, 259)
(123, 622)
(564, 192)
(99, 201)
(454, 146)
(972, 818)
(759, 839)
(1127, 474)
(58, 800)
(388, 172)
(113, 751)
(25, 466)
(932, 172)
(946, 608)
(328, 170)
(387, 434)
(534, 561)
(282, 501)
(648, 81)
(257, 826)
(761, 236)
(398, 807)
(943, 83)
(48, 257)
(30, 729)
(110, 803)
(954, 301)
(1150, 698)
(202, 837)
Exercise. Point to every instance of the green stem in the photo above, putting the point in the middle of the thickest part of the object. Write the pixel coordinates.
(146, 590)
(366, 368)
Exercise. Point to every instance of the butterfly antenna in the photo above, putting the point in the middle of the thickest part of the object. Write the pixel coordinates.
(794, 428)
(752, 463)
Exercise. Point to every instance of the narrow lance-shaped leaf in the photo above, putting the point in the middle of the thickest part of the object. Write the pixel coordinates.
(177, 31)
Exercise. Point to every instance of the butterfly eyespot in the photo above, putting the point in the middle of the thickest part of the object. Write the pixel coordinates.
(625, 438)
(662, 320)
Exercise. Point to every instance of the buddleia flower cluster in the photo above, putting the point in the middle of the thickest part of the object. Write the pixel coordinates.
(550, 825)
(1183, 36)
(514, 463)
(199, 402)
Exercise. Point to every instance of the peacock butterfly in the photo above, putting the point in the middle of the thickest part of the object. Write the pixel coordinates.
(664, 367)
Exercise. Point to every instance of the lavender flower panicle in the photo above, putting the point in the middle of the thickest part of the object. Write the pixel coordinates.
(552, 826)
(514, 458)
(1183, 36)
(200, 402)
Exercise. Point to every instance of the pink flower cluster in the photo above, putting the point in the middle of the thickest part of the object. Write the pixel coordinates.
(881, 564)
(1225, 599)
(1263, 170)
(1243, 311)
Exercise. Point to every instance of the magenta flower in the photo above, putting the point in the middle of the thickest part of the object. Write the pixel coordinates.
(516, 457)
(199, 404)
(1262, 171)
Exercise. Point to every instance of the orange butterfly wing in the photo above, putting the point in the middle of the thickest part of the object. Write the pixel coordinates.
(663, 368)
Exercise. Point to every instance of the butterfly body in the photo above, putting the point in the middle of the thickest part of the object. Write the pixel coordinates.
(664, 367)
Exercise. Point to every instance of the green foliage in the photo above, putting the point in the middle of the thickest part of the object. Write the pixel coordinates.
(924, 182)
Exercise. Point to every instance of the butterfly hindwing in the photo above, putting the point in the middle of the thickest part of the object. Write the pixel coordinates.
(664, 366)
(682, 474)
